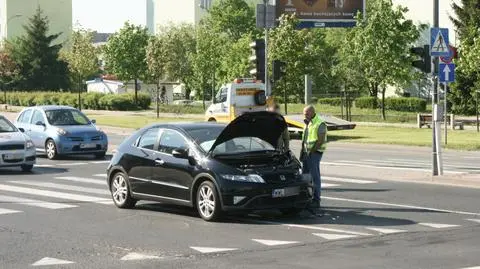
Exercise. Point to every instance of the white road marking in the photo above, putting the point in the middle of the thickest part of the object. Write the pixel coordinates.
(84, 180)
(385, 230)
(99, 162)
(211, 250)
(438, 225)
(274, 242)
(43, 165)
(311, 227)
(8, 211)
(71, 164)
(401, 206)
(133, 256)
(475, 267)
(100, 175)
(50, 261)
(334, 236)
(348, 180)
(415, 162)
(328, 185)
(474, 220)
(62, 187)
(32, 202)
(53, 194)
(349, 163)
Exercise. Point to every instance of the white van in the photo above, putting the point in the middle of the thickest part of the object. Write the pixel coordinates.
(236, 98)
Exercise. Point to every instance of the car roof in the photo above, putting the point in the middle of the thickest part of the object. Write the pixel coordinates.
(50, 107)
(186, 125)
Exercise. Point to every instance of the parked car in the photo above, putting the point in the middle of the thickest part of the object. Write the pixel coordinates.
(211, 167)
(16, 148)
(62, 130)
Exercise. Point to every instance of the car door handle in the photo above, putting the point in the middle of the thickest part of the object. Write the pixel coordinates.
(159, 162)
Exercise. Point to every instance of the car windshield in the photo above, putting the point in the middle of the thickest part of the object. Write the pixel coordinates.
(6, 126)
(205, 137)
(66, 117)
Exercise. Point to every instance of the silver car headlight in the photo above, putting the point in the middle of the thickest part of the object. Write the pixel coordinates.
(29, 144)
(61, 131)
(248, 178)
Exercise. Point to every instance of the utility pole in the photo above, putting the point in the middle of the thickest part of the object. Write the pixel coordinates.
(267, 84)
(435, 164)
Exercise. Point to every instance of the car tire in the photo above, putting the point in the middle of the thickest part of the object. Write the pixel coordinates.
(208, 201)
(291, 211)
(27, 167)
(260, 98)
(100, 155)
(122, 198)
(51, 149)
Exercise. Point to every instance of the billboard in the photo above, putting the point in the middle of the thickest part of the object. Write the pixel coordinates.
(322, 13)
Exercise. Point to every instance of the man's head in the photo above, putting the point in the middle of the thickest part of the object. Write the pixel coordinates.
(309, 112)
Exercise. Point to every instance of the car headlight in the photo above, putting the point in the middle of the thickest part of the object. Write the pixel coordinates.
(60, 131)
(29, 144)
(248, 178)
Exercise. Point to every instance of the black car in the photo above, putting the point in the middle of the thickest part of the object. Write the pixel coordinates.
(212, 167)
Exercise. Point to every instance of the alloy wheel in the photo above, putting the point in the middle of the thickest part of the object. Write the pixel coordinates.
(51, 150)
(119, 190)
(206, 201)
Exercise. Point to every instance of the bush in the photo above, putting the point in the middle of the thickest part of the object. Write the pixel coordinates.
(337, 101)
(95, 101)
(367, 102)
(407, 104)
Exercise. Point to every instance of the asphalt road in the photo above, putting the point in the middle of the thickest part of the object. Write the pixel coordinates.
(62, 214)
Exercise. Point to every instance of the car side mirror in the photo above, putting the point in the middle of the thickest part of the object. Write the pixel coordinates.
(39, 123)
(93, 121)
(21, 130)
(180, 153)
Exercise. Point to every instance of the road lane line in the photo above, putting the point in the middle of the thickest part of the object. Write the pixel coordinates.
(421, 163)
(100, 175)
(100, 162)
(62, 187)
(438, 225)
(401, 206)
(43, 165)
(84, 180)
(475, 267)
(474, 220)
(349, 163)
(348, 180)
(71, 164)
(53, 194)
(32, 202)
(8, 211)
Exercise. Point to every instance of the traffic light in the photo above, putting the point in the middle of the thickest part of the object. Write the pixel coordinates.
(258, 59)
(425, 63)
(278, 69)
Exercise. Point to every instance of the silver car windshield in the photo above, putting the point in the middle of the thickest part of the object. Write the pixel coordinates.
(6, 126)
(66, 117)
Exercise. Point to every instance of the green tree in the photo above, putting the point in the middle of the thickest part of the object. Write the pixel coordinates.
(8, 73)
(82, 59)
(466, 21)
(125, 53)
(157, 57)
(38, 60)
(375, 52)
(180, 46)
(233, 18)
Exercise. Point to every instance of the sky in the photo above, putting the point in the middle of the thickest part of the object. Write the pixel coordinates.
(108, 16)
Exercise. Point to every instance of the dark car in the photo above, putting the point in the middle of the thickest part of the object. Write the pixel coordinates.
(212, 167)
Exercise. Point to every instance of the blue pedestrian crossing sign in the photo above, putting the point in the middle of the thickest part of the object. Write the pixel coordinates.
(446, 72)
(439, 42)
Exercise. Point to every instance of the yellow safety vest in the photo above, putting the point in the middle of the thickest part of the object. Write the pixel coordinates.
(313, 134)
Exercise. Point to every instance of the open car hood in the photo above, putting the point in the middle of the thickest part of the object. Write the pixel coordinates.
(265, 125)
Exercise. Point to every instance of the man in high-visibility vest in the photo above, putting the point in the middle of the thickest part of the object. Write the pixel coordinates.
(313, 146)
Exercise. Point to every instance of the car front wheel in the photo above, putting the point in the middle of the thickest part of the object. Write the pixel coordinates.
(208, 202)
(120, 190)
(51, 150)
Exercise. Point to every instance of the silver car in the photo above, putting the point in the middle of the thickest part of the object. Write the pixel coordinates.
(16, 148)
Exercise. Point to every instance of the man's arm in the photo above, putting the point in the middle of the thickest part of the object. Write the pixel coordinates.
(322, 129)
(286, 139)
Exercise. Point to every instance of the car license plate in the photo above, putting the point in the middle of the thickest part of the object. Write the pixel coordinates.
(88, 146)
(12, 156)
(278, 193)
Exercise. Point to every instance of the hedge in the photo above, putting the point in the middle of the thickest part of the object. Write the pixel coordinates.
(337, 101)
(408, 104)
(367, 102)
(95, 101)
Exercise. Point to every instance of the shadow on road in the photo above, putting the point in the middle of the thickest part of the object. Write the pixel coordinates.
(36, 171)
(86, 157)
(355, 190)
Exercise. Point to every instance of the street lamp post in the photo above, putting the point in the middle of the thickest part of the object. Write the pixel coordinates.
(4, 32)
